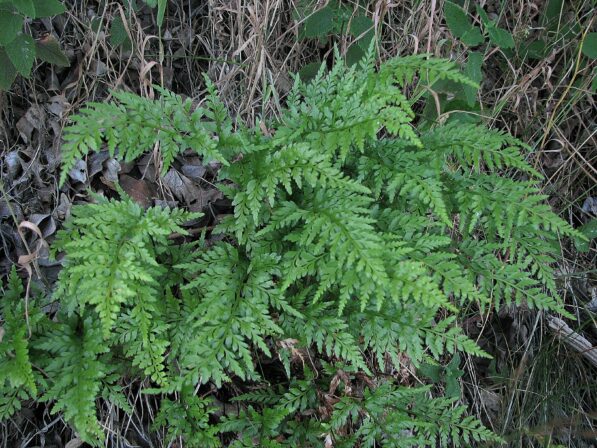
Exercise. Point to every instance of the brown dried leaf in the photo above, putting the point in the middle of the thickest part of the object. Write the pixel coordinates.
(182, 187)
(110, 173)
(63, 210)
(490, 400)
(141, 191)
(25, 261)
(57, 105)
(14, 163)
(34, 119)
(75, 443)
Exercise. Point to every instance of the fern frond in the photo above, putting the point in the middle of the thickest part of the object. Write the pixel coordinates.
(328, 333)
(17, 380)
(337, 227)
(133, 125)
(110, 258)
(189, 418)
(404, 69)
(353, 239)
(77, 371)
(473, 146)
(232, 314)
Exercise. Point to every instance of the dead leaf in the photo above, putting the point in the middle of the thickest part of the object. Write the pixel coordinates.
(96, 163)
(592, 305)
(98, 68)
(147, 167)
(25, 261)
(182, 187)
(34, 119)
(194, 172)
(79, 172)
(52, 82)
(205, 198)
(110, 172)
(75, 443)
(13, 163)
(141, 191)
(45, 223)
(490, 400)
(57, 105)
(63, 210)
(590, 206)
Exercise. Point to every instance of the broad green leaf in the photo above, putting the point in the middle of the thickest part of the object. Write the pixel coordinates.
(309, 71)
(452, 386)
(8, 72)
(433, 372)
(11, 23)
(320, 23)
(118, 34)
(473, 37)
(590, 231)
(95, 24)
(161, 12)
(447, 86)
(354, 54)
(47, 8)
(534, 50)
(589, 47)
(361, 27)
(453, 372)
(21, 52)
(457, 19)
(484, 17)
(473, 71)
(551, 14)
(27, 7)
(500, 37)
(48, 50)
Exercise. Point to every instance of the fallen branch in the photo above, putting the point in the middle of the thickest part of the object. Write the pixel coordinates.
(573, 339)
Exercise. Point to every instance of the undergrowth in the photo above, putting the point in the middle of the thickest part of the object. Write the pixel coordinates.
(355, 240)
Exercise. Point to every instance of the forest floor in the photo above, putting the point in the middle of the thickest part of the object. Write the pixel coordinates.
(537, 388)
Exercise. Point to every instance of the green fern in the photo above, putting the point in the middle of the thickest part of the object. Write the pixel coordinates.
(234, 312)
(354, 241)
(18, 382)
(189, 418)
(111, 259)
(77, 370)
(132, 125)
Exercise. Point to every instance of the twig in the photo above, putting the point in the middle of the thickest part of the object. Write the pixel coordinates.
(573, 339)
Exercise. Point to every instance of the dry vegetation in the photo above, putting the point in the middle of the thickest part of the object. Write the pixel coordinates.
(537, 391)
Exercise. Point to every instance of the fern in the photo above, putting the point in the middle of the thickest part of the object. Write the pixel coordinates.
(16, 371)
(189, 418)
(111, 261)
(233, 313)
(77, 370)
(132, 125)
(355, 239)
